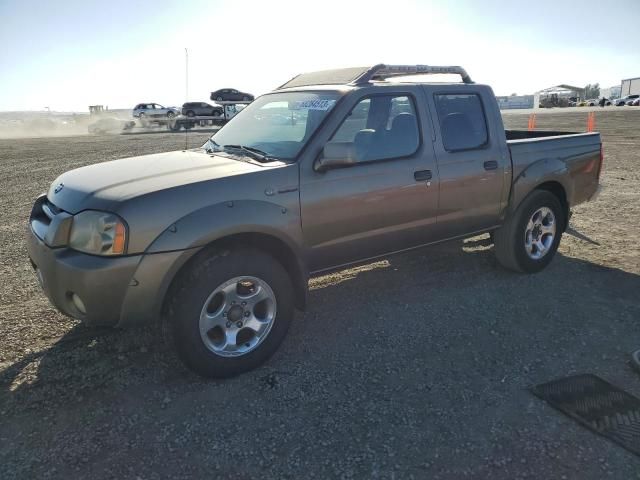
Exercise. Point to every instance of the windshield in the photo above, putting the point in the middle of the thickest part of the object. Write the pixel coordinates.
(278, 125)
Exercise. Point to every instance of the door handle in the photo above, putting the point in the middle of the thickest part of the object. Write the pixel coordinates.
(491, 165)
(422, 175)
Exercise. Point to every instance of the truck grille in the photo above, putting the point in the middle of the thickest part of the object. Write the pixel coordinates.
(44, 211)
(50, 223)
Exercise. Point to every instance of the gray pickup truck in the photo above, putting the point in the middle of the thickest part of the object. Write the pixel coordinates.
(217, 244)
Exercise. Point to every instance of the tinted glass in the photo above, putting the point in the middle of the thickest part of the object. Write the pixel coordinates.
(381, 127)
(462, 121)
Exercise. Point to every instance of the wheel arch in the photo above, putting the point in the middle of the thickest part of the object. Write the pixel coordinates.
(261, 241)
(548, 174)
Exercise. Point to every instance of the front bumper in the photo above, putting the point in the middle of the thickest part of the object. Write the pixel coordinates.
(100, 282)
(115, 291)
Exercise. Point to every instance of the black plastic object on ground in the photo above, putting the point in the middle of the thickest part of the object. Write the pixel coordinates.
(598, 405)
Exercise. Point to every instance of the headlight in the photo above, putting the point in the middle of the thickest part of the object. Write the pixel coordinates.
(99, 233)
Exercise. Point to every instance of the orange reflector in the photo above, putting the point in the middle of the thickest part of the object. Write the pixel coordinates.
(119, 239)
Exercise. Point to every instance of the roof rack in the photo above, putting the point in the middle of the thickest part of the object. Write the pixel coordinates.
(382, 72)
(362, 75)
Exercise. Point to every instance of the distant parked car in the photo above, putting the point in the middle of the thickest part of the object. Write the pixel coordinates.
(231, 95)
(194, 109)
(593, 102)
(620, 102)
(154, 110)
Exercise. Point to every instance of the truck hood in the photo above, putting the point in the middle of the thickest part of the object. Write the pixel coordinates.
(101, 185)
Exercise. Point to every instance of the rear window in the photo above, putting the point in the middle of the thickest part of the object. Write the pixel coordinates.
(462, 121)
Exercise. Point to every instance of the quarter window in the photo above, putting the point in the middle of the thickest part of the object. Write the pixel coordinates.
(462, 122)
(380, 127)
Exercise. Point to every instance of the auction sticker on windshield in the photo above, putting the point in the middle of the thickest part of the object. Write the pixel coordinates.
(314, 105)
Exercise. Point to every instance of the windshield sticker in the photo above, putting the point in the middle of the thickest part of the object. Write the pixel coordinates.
(313, 105)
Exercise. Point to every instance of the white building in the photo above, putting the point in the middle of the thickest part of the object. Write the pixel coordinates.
(630, 86)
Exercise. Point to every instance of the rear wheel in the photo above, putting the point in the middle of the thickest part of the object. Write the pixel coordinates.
(219, 99)
(191, 113)
(170, 114)
(529, 239)
(229, 312)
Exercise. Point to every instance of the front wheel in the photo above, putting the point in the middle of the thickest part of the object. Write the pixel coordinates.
(229, 312)
(530, 237)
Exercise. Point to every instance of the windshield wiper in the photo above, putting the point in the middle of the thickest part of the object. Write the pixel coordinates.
(256, 153)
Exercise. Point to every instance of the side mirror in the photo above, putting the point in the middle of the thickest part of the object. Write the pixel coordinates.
(336, 155)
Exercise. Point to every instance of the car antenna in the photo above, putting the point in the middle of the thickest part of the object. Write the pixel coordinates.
(186, 93)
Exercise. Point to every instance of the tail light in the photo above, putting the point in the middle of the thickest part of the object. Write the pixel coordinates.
(601, 160)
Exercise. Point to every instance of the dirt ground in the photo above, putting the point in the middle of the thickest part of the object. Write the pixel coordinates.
(415, 366)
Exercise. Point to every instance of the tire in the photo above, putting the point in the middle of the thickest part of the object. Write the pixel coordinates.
(170, 114)
(511, 239)
(141, 116)
(194, 292)
(245, 99)
(219, 99)
(191, 113)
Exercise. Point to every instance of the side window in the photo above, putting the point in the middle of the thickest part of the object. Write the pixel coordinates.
(462, 121)
(355, 122)
(380, 127)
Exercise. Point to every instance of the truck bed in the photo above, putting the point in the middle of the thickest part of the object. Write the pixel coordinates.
(573, 159)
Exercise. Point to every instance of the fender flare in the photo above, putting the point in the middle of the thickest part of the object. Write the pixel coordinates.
(536, 174)
(213, 223)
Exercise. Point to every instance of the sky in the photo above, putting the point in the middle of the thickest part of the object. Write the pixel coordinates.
(67, 55)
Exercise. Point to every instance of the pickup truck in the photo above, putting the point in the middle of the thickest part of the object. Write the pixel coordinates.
(215, 245)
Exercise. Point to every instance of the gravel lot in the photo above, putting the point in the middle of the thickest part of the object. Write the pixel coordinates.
(416, 366)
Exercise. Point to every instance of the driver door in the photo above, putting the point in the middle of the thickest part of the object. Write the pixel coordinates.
(387, 200)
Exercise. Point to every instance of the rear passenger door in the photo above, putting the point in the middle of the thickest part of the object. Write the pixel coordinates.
(471, 162)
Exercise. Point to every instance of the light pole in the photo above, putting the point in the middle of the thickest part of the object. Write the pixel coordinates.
(186, 75)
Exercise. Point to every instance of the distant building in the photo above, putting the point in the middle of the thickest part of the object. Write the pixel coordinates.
(515, 101)
(630, 86)
(611, 92)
